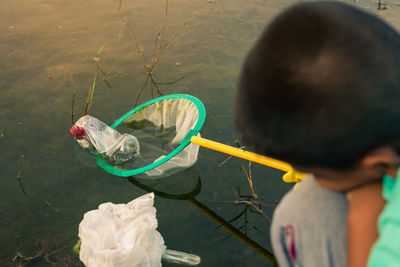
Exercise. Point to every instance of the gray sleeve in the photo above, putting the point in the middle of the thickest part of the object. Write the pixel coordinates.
(309, 227)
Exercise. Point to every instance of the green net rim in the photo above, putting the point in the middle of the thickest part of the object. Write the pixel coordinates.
(184, 143)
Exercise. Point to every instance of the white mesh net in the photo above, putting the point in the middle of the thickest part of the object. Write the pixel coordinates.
(160, 128)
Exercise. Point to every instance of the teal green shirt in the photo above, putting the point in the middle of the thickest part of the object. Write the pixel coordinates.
(386, 250)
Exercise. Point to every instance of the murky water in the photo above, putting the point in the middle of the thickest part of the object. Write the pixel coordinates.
(47, 52)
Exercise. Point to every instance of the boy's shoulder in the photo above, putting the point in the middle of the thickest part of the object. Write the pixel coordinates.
(309, 226)
(308, 191)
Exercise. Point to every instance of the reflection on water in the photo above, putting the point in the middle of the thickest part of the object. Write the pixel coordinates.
(227, 226)
(46, 52)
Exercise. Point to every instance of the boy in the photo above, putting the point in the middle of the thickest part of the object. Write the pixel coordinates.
(320, 90)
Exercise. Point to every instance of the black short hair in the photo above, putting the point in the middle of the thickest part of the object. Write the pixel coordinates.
(321, 86)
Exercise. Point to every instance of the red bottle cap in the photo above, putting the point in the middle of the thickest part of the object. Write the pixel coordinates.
(77, 132)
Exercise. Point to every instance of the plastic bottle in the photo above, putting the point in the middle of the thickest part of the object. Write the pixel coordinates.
(97, 137)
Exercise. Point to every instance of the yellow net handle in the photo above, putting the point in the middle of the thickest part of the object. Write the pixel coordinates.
(291, 175)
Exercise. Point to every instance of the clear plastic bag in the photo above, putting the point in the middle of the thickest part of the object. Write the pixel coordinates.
(125, 235)
(97, 137)
(121, 235)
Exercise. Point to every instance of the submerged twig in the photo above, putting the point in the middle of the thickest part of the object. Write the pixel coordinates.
(229, 157)
(46, 254)
(19, 173)
(249, 179)
(225, 161)
(72, 108)
(173, 82)
(254, 204)
(74, 86)
(246, 202)
(250, 202)
(141, 89)
(101, 69)
(236, 141)
(139, 50)
(160, 46)
(89, 99)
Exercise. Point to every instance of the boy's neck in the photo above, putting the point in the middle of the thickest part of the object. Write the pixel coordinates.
(345, 180)
(342, 185)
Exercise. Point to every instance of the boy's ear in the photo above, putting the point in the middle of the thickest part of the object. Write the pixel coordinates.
(381, 156)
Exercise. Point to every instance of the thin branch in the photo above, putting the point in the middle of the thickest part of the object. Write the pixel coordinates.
(138, 49)
(72, 108)
(151, 88)
(19, 173)
(155, 85)
(225, 161)
(173, 82)
(165, 24)
(160, 34)
(141, 89)
(249, 179)
(160, 45)
(175, 36)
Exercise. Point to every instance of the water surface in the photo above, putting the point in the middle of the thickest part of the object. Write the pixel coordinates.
(47, 51)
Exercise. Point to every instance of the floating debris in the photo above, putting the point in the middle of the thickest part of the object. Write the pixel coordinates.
(1, 134)
(77, 247)
(382, 6)
(51, 206)
(211, 1)
(178, 64)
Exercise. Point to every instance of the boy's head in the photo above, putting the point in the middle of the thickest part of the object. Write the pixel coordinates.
(321, 87)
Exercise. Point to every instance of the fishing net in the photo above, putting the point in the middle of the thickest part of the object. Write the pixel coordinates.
(157, 139)
(163, 128)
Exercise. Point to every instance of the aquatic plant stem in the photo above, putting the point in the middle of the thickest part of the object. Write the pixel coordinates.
(173, 82)
(160, 34)
(133, 33)
(90, 96)
(160, 45)
(72, 108)
(19, 173)
(100, 68)
(249, 179)
(141, 89)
